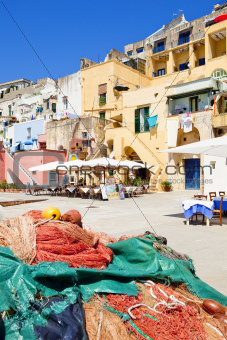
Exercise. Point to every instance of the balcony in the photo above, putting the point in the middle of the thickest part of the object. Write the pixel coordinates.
(219, 120)
(158, 49)
(183, 40)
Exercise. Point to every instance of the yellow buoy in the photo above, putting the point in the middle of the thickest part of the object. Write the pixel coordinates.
(49, 212)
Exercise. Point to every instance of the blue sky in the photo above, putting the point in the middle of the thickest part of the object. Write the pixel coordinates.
(63, 32)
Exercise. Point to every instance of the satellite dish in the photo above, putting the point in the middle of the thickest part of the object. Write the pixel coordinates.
(111, 154)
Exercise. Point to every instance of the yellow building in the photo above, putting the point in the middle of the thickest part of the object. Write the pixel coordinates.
(186, 67)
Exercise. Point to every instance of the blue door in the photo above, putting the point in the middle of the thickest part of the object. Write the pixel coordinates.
(192, 173)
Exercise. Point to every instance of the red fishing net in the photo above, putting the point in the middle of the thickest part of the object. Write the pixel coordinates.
(181, 322)
(53, 244)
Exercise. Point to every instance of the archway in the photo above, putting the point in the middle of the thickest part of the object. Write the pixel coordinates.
(184, 138)
(142, 173)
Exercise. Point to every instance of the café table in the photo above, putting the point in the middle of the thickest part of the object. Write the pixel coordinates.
(53, 190)
(71, 190)
(192, 207)
(84, 191)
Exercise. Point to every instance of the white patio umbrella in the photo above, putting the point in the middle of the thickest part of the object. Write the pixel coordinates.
(212, 147)
(76, 162)
(131, 164)
(48, 166)
(103, 161)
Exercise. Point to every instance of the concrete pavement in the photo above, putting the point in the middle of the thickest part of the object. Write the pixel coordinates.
(161, 213)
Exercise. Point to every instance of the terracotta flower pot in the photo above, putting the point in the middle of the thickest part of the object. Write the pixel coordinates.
(167, 188)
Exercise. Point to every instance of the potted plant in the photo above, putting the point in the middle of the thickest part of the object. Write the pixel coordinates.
(166, 186)
(4, 185)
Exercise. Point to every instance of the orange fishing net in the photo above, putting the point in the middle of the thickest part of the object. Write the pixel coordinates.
(19, 234)
(54, 244)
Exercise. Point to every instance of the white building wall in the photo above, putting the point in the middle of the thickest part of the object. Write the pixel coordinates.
(215, 179)
(70, 87)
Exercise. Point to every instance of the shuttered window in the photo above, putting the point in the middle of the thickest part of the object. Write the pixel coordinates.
(137, 120)
(102, 89)
(141, 123)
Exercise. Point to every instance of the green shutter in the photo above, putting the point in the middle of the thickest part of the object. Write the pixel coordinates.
(146, 115)
(137, 121)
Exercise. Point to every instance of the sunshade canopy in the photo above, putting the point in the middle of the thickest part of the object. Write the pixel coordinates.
(48, 166)
(212, 147)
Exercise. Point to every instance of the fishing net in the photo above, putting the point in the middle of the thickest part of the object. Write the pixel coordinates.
(35, 214)
(55, 245)
(104, 325)
(172, 319)
(74, 231)
(19, 234)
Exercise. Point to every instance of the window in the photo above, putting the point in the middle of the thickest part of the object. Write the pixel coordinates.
(129, 53)
(102, 115)
(33, 172)
(9, 110)
(0, 113)
(84, 135)
(139, 50)
(141, 123)
(54, 107)
(102, 91)
(219, 74)
(29, 132)
(183, 67)
(65, 101)
(201, 61)
(160, 46)
(194, 104)
(184, 38)
(161, 72)
(11, 141)
(48, 104)
(102, 99)
(153, 74)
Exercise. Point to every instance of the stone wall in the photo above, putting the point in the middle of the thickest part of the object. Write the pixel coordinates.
(60, 133)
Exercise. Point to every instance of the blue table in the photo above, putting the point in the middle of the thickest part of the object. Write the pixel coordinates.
(217, 201)
(192, 207)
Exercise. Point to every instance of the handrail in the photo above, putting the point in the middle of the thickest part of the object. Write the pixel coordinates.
(144, 145)
(23, 169)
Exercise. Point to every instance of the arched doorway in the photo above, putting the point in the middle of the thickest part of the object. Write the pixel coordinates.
(142, 173)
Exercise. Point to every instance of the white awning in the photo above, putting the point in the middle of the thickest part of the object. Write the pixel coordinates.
(212, 147)
(48, 166)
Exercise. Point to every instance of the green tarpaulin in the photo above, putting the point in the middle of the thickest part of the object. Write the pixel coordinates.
(133, 259)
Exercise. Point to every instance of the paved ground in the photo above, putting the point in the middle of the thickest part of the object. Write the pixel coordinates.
(160, 213)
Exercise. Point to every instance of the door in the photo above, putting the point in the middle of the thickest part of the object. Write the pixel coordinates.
(53, 178)
(194, 104)
(192, 173)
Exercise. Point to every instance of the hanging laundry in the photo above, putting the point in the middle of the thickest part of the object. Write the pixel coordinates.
(186, 122)
(152, 121)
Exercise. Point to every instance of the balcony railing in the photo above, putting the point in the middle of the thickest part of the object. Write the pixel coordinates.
(183, 40)
(158, 49)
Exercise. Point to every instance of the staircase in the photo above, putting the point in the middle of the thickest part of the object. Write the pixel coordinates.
(34, 182)
(99, 151)
(146, 156)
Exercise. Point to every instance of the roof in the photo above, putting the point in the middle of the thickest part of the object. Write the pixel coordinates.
(17, 81)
